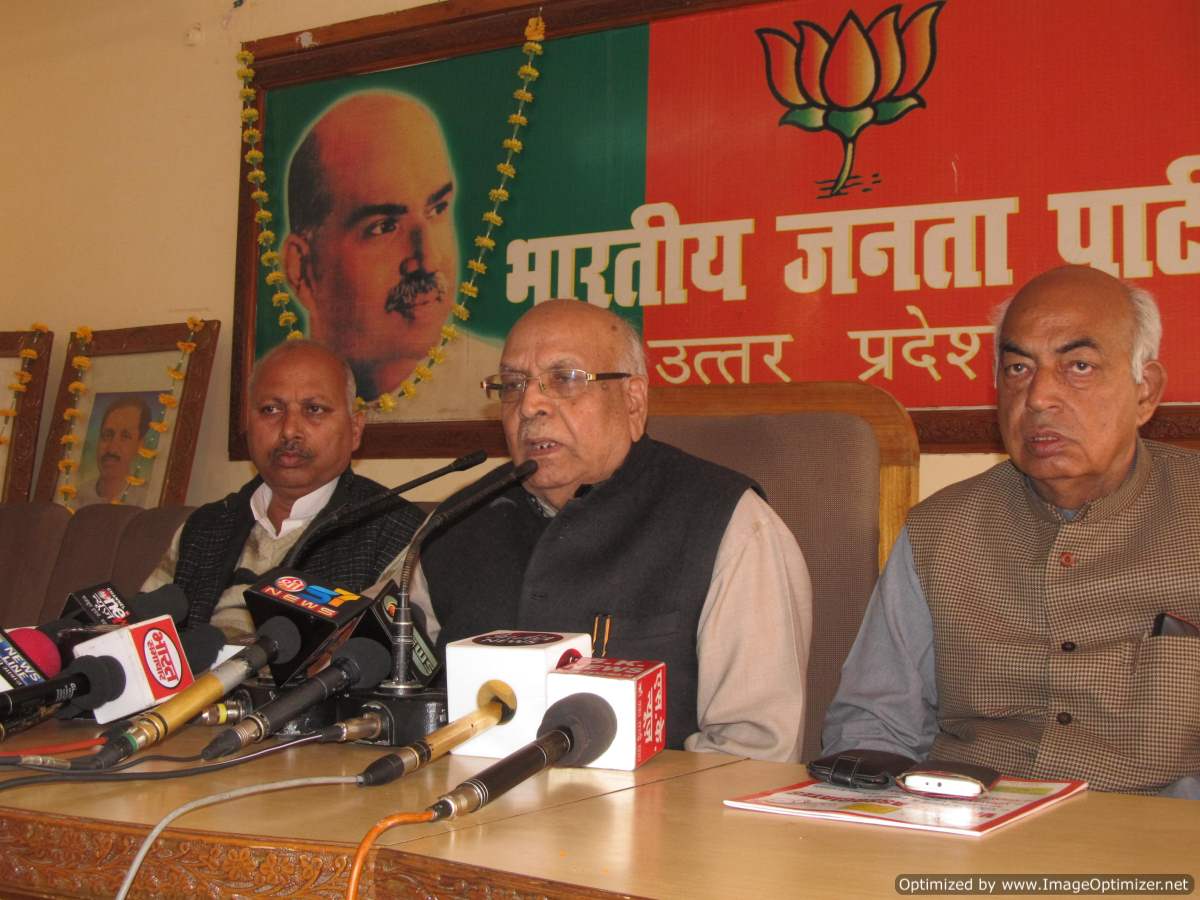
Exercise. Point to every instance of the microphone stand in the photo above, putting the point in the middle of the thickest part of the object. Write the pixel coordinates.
(373, 506)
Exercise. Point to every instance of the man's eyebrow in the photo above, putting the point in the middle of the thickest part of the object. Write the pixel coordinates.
(374, 209)
(1008, 346)
(440, 194)
(1076, 344)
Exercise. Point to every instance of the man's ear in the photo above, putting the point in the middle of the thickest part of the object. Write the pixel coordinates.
(297, 269)
(637, 404)
(358, 422)
(1150, 391)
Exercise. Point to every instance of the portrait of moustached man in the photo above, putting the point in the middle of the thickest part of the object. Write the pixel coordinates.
(111, 447)
(372, 251)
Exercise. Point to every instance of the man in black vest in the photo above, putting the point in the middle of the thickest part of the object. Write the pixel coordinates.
(657, 554)
(301, 429)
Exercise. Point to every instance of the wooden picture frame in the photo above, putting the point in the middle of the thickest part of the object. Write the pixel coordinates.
(448, 30)
(128, 367)
(21, 429)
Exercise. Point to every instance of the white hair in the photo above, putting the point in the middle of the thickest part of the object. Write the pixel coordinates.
(633, 354)
(1147, 330)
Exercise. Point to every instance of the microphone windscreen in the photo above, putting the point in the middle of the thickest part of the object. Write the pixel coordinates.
(201, 644)
(39, 648)
(589, 720)
(106, 680)
(372, 662)
(285, 635)
(168, 600)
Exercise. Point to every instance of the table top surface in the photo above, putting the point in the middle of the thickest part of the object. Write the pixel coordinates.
(659, 831)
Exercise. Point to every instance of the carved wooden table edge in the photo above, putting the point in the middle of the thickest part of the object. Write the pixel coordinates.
(68, 856)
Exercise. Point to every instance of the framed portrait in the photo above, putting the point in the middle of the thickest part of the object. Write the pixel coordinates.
(127, 415)
(804, 190)
(26, 358)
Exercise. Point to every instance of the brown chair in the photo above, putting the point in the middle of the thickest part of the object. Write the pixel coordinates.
(30, 535)
(839, 464)
(103, 542)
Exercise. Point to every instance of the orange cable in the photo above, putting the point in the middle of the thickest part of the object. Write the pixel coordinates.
(52, 749)
(364, 847)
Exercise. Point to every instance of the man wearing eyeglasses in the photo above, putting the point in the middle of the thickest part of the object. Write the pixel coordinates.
(655, 553)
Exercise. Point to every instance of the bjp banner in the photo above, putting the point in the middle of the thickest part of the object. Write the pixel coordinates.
(771, 192)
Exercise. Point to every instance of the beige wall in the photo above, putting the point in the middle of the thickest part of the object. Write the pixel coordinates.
(121, 169)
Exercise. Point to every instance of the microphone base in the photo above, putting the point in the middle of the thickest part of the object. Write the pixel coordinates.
(405, 718)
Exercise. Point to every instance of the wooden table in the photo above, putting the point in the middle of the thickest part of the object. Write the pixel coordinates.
(660, 831)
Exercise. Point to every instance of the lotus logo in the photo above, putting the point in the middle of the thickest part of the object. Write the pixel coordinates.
(858, 77)
(162, 658)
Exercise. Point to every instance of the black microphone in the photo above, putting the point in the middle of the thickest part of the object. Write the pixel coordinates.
(401, 624)
(360, 662)
(278, 639)
(68, 633)
(574, 732)
(375, 505)
(103, 604)
(87, 682)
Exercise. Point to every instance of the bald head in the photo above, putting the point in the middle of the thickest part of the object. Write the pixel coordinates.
(1122, 303)
(372, 253)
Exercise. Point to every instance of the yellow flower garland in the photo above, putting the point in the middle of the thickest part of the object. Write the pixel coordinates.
(148, 450)
(21, 378)
(535, 33)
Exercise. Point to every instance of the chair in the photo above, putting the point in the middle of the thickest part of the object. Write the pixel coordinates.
(839, 464)
(46, 553)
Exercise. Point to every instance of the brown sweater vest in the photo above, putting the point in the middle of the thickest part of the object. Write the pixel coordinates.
(1045, 663)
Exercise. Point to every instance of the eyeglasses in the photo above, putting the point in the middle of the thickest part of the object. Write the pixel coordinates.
(560, 384)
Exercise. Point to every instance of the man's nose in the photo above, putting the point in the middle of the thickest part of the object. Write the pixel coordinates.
(291, 424)
(1044, 388)
(415, 261)
(534, 400)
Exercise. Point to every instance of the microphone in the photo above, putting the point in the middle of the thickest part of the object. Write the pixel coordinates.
(360, 662)
(374, 505)
(69, 633)
(278, 639)
(38, 649)
(400, 626)
(102, 604)
(496, 706)
(88, 682)
(574, 732)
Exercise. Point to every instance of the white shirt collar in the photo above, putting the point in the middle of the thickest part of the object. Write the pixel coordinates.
(303, 510)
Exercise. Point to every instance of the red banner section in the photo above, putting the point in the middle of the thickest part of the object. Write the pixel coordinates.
(842, 192)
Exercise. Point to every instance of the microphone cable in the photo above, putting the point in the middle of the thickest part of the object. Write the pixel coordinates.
(212, 800)
(117, 773)
(368, 841)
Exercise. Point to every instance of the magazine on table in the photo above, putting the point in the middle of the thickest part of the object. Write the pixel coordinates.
(1010, 800)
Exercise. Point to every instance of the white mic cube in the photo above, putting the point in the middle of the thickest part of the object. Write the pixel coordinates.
(519, 659)
(636, 689)
(152, 657)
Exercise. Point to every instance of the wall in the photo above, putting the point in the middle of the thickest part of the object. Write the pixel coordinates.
(120, 171)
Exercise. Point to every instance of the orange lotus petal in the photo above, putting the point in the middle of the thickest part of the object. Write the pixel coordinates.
(886, 42)
(781, 52)
(813, 48)
(850, 74)
(917, 41)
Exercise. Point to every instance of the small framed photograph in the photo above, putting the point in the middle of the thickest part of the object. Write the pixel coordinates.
(127, 415)
(26, 361)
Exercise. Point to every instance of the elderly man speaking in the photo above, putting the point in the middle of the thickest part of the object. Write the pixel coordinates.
(656, 553)
(1014, 625)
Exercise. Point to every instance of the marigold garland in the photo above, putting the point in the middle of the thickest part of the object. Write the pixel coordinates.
(535, 33)
(82, 364)
(27, 354)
